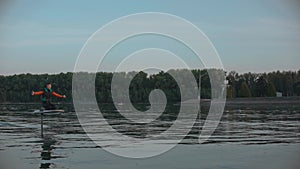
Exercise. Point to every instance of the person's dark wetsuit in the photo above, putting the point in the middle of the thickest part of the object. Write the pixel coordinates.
(46, 99)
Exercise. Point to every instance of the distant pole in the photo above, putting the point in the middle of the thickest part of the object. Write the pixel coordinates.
(199, 92)
(199, 100)
(42, 128)
(199, 87)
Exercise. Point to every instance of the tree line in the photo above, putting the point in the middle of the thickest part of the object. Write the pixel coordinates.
(17, 88)
(263, 84)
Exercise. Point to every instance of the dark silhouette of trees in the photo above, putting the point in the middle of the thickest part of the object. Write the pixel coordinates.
(17, 88)
(244, 90)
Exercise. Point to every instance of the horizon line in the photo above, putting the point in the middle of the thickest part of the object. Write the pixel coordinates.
(65, 72)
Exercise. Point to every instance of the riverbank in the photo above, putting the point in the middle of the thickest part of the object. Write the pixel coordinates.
(233, 103)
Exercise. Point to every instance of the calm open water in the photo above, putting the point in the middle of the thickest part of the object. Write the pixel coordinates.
(250, 135)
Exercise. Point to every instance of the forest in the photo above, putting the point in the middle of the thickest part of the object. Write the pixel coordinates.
(17, 88)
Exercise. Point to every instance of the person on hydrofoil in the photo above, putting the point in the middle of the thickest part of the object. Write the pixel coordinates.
(46, 96)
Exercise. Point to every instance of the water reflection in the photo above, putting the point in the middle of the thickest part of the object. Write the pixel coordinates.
(65, 141)
(47, 146)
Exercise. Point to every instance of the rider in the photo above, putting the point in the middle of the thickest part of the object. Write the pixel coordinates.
(46, 96)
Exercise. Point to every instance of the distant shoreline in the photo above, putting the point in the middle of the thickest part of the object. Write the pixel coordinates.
(246, 100)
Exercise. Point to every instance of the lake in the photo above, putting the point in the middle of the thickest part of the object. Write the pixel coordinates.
(253, 133)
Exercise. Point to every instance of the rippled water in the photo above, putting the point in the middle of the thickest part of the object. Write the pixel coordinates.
(243, 127)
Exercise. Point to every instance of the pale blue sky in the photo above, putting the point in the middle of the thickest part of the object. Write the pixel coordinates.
(46, 36)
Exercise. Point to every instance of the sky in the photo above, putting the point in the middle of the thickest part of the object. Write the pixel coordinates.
(249, 36)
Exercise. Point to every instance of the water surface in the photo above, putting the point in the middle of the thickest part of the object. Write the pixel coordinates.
(248, 136)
